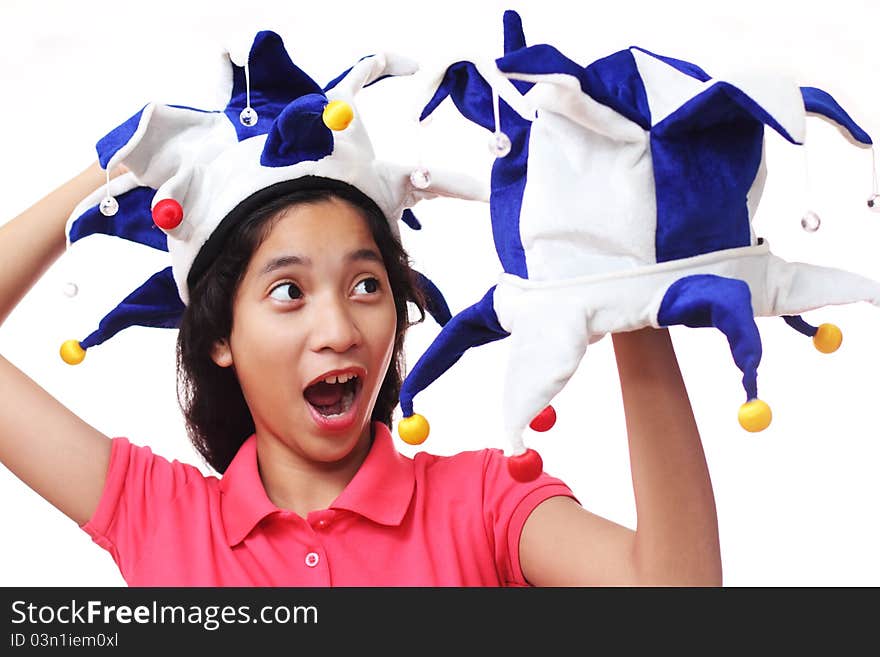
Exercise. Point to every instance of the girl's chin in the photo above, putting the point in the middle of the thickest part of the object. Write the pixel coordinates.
(333, 447)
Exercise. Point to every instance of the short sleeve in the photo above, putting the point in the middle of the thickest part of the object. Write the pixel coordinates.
(139, 487)
(507, 504)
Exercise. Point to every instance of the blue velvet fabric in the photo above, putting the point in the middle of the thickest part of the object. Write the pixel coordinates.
(275, 81)
(706, 156)
(821, 102)
(508, 184)
(734, 96)
(298, 134)
(514, 39)
(410, 219)
(117, 138)
(435, 302)
(469, 91)
(472, 327)
(726, 303)
(472, 95)
(133, 221)
(613, 81)
(155, 303)
(509, 173)
(798, 324)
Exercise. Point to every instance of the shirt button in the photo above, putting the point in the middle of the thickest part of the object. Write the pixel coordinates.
(322, 519)
(312, 559)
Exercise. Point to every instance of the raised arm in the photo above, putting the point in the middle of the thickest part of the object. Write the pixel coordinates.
(676, 538)
(42, 442)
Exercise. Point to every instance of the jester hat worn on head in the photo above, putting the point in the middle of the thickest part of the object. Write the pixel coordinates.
(624, 200)
(194, 173)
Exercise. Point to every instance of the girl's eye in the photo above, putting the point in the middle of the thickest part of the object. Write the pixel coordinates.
(368, 286)
(290, 292)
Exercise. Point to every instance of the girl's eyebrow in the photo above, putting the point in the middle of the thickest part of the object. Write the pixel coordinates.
(364, 254)
(286, 260)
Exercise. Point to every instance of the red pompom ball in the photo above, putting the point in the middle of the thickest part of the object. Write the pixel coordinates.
(167, 214)
(544, 420)
(525, 467)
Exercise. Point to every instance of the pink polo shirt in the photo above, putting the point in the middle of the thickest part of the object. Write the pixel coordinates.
(427, 521)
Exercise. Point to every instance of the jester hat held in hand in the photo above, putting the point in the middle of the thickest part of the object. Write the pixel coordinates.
(623, 198)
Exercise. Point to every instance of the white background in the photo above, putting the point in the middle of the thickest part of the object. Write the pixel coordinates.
(797, 504)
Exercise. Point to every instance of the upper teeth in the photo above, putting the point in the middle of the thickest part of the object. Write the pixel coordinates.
(340, 378)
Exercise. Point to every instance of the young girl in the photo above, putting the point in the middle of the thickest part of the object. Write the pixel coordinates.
(289, 356)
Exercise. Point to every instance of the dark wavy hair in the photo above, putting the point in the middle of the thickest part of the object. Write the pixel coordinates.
(217, 417)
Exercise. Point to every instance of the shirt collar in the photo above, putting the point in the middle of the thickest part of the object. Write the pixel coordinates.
(381, 489)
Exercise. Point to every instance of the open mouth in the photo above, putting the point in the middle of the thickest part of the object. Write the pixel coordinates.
(333, 397)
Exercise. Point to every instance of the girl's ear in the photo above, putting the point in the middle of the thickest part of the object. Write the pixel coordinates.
(221, 353)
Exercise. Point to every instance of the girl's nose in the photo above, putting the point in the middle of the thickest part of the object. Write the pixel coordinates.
(335, 327)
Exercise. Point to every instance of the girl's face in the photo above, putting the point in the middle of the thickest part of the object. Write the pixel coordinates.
(313, 330)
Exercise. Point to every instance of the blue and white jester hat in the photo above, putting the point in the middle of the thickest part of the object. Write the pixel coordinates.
(194, 173)
(623, 197)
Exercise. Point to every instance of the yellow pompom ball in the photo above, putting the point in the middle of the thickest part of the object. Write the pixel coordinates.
(828, 338)
(338, 115)
(72, 353)
(755, 415)
(414, 429)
